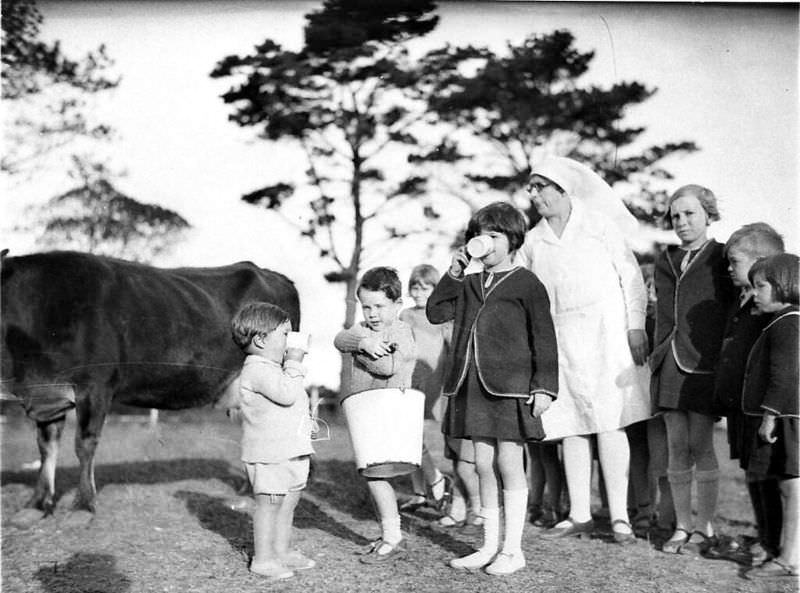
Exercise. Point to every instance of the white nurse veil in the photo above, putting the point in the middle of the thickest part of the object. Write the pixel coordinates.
(581, 183)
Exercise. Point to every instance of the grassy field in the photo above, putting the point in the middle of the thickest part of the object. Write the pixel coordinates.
(169, 519)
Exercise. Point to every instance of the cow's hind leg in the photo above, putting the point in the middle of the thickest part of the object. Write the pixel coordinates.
(48, 435)
(43, 501)
(91, 414)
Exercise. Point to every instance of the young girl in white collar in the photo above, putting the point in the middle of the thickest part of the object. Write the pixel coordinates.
(502, 376)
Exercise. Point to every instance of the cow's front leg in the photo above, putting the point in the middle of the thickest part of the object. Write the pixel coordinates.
(47, 437)
(91, 414)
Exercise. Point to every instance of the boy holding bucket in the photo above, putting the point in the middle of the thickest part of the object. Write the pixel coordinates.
(382, 360)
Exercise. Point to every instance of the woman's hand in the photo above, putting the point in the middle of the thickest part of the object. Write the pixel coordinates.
(541, 401)
(460, 262)
(637, 342)
(767, 429)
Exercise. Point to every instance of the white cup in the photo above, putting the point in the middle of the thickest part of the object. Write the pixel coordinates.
(299, 340)
(480, 246)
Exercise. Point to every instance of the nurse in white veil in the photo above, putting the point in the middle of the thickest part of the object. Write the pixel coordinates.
(598, 302)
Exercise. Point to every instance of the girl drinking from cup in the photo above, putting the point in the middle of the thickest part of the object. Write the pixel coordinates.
(502, 376)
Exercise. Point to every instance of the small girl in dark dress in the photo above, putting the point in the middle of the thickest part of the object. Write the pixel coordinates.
(770, 400)
(502, 374)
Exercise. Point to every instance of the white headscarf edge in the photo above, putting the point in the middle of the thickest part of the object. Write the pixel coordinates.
(581, 183)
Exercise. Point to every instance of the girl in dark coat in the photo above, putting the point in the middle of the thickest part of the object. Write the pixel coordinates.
(746, 246)
(502, 374)
(694, 295)
(770, 397)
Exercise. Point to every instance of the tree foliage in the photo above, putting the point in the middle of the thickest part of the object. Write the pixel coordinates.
(358, 105)
(97, 218)
(529, 101)
(45, 93)
(348, 99)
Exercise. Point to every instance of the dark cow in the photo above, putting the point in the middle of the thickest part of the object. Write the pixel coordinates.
(82, 331)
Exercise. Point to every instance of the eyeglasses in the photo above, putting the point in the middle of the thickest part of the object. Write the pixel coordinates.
(537, 185)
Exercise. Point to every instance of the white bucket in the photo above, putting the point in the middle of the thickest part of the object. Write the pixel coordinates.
(385, 428)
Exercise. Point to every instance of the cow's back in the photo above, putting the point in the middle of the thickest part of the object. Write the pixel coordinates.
(154, 337)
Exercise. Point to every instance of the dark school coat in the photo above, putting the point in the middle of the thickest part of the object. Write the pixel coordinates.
(692, 309)
(509, 327)
(771, 377)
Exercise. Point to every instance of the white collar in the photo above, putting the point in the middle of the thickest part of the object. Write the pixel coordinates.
(543, 231)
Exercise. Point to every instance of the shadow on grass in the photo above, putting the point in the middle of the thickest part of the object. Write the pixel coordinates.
(136, 472)
(340, 485)
(236, 527)
(215, 515)
(83, 573)
(309, 515)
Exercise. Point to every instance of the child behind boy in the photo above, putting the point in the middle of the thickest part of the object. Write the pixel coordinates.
(771, 400)
(432, 342)
(744, 247)
(382, 353)
(276, 434)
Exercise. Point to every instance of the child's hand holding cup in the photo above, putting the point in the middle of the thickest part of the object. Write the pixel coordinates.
(471, 255)
(297, 345)
(459, 263)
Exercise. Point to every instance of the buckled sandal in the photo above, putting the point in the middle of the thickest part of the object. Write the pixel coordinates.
(701, 544)
(373, 555)
(674, 544)
(570, 528)
(416, 502)
(443, 501)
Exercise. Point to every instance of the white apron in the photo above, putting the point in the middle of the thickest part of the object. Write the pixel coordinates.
(600, 387)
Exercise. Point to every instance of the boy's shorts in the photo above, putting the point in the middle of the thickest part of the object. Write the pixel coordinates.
(459, 449)
(279, 478)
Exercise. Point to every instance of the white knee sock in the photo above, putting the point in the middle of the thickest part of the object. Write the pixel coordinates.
(491, 530)
(458, 507)
(475, 504)
(515, 503)
(390, 526)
